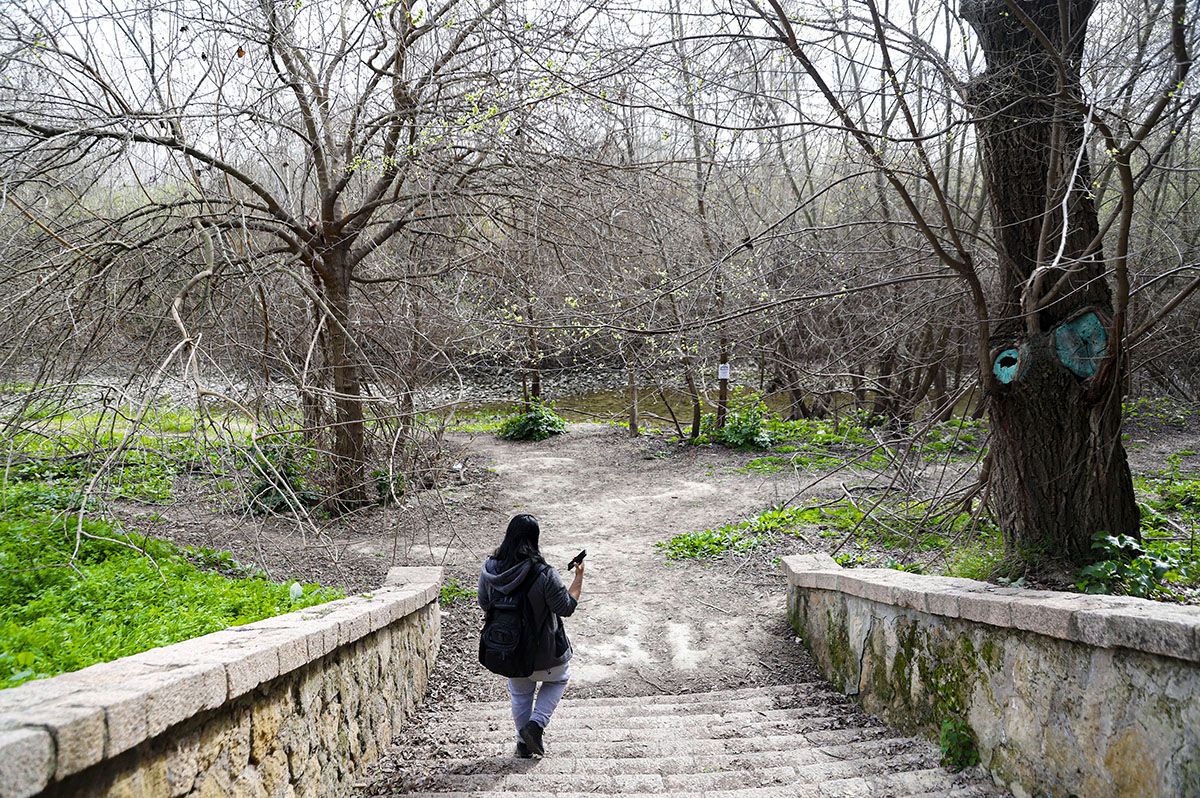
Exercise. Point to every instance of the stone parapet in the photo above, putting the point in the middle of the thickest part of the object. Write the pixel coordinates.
(291, 705)
(1065, 694)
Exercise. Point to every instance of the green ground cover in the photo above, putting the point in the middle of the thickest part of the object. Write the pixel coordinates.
(913, 536)
(873, 539)
(63, 608)
(68, 600)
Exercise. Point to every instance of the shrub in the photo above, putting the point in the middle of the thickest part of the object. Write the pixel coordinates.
(1127, 568)
(709, 544)
(389, 486)
(744, 424)
(957, 743)
(278, 483)
(537, 423)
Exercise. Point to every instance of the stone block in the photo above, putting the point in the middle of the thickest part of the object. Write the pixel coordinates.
(386, 614)
(796, 564)
(913, 597)
(1149, 627)
(26, 762)
(32, 694)
(381, 608)
(217, 648)
(179, 694)
(293, 652)
(943, 601)
(415, 602)
(820, 580)
(985, 606)
(182, 763)
(125, 710)
(872, 584)
(1048, 612)
(320, 637)
(78, 732)
(254, 667)
(423, 577)
(353, 627)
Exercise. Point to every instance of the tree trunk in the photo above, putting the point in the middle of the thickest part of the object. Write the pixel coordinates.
(634, 424)
(1059, 472)
(535, 357)
(885, 398)
(722, 383)
(349, 432)
(694, 393)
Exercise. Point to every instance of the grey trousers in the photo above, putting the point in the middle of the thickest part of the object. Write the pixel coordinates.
(534, 698)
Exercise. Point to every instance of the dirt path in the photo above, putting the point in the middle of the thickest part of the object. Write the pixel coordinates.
(640, 620)
(647, 634)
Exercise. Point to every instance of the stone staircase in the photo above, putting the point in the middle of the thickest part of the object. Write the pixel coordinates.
(766, 742)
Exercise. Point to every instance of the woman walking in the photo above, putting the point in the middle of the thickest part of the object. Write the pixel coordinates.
(517, 565)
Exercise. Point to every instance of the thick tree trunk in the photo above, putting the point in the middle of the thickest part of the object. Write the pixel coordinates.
(349, 432)
(1059, 472)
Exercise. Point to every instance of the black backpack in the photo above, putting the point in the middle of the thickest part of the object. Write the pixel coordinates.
(509, 639)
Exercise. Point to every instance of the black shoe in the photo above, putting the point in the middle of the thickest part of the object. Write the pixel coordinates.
(531, 733)
(523, 751)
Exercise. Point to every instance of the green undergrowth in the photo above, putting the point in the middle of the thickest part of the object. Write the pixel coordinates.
(1158, 413)
(481, 421)
(1167, 558)
(957, 743)
(853, 439)
(64, 607)
(138, 455)
(536, 422)
(890, 535)
(958, 437)
(116, 456)
(453, 592)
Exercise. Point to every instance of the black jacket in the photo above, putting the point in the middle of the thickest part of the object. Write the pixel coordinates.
(548, 599)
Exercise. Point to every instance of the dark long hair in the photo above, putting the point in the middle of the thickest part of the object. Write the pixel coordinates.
(520, 542)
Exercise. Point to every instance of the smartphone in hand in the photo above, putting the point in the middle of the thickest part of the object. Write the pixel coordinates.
(578, 559)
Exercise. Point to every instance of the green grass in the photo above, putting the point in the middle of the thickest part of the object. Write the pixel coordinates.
(1156, 413)
(958, 437)
(867, 540)
(115, 601)
(453, 592)
(977, 559)
(483, 421)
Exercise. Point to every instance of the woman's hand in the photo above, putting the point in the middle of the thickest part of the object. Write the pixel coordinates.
(576, 587)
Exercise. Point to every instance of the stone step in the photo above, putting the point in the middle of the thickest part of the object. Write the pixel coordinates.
(798, 753)
(753, 698)
(674, 746)
(693, 783)
(652, 699)
(570, 717)
(775, 741)
(919, 783)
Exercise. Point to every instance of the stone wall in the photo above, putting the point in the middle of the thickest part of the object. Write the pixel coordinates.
(1065, 694)
(294, 705)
